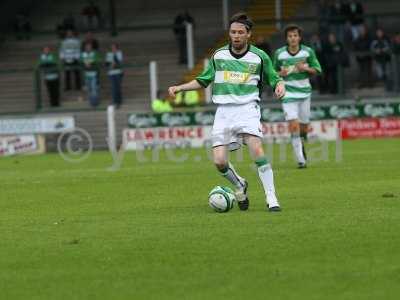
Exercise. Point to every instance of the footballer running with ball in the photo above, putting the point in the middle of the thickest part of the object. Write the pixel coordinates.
(238, 72)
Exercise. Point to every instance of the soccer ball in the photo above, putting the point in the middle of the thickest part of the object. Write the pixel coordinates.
(221, 199)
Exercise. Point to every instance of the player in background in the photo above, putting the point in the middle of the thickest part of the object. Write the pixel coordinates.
(238, 71)
(296, 63)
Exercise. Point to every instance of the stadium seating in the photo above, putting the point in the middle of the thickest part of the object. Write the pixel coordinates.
(139, 46)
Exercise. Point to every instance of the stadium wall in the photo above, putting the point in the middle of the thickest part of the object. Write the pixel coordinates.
(8, 10)
(347, 120)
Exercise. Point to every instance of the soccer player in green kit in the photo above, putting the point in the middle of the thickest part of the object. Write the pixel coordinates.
(296, 63)
(238, 71)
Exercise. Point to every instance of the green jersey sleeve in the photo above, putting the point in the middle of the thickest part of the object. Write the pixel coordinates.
(276, 62)
(270, 75)
(208, 74)
(313, 62)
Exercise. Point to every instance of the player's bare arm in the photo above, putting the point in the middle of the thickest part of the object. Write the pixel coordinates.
(192, 85)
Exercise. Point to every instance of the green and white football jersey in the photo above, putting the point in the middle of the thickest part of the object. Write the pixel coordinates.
(298, 87)
(238, 79)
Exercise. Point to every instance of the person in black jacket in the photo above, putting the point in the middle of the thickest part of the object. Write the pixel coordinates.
(380, 48)
(334, 58)
(262, 44)
(337, 18)
(362, 48)
(318, 80)
(396, 58)
(179, 28)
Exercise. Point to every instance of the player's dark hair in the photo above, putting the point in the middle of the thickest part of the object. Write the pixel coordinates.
(242, 18)
(292, 27)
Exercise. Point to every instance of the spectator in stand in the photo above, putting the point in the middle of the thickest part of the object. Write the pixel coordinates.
(347, 29)
(22, 27)
(180, 33)
(91, 67)
(68, 23)
(114, 60)
(318, 80)
(92, 14)
(323, 14)
(262, 44)
(396, 58)
(334, 58)
(70, 52)
(381, 51)
(337, 18)
(396, 44)
(48, 64)
(90, 39)
(356, 18)
(362, 48)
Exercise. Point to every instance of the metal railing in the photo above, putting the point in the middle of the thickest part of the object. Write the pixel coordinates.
(310, 23)
(38, 80)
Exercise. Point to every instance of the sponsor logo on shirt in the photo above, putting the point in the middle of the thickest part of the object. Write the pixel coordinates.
(236, 77)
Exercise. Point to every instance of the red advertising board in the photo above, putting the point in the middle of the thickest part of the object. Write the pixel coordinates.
(369, 128)
(320, 130)
(200, 136)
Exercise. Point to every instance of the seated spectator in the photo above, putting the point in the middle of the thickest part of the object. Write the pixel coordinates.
(48, 64)
(22, 27)
(70, 52)
(334, 57)
(114, 60)
(160, 105)
(90, 39)
(91, 66)
(92, 14)
(362, 48)
(381, 51)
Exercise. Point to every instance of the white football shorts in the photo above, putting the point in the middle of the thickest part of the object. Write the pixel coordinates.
(299, 110)
(232, 121)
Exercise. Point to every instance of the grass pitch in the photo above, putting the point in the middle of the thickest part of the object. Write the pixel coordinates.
(79, 231)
